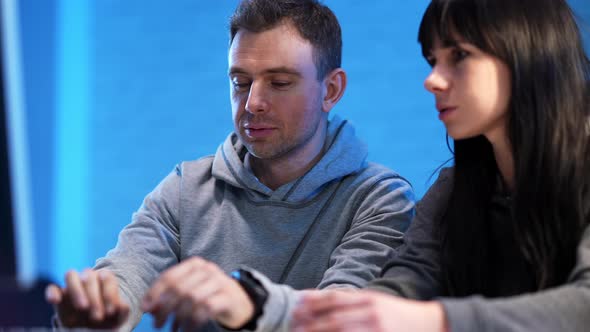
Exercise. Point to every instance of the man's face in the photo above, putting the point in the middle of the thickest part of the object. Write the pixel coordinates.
(275, 95)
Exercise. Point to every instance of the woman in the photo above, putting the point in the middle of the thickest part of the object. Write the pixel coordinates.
(500, 242)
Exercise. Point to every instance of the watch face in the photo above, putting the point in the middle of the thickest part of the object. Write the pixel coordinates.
(236, 274)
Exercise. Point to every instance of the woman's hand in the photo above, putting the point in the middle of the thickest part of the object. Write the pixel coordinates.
(365, 311)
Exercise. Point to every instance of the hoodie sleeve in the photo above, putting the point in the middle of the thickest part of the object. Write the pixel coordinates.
(415, 272)
(148, 245)
(563, 308)
(383, 214)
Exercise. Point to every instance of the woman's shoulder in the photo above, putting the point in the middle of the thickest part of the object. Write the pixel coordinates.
(443, 184)
(436, 198)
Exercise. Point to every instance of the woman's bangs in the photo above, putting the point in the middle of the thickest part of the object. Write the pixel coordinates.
(450, 22)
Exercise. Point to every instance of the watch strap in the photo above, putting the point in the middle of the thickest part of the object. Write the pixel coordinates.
(256, 292)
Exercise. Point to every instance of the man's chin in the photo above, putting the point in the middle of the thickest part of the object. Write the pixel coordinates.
(263, 152)
(265, 155)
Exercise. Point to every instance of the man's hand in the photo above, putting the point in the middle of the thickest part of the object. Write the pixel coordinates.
(195, 291)
(90, 299)
(369, 311)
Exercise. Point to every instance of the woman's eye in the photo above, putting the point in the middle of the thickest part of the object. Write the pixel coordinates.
(459, 54)
(431, 60)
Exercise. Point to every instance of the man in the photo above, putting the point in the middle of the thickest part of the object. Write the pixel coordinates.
(289, 195)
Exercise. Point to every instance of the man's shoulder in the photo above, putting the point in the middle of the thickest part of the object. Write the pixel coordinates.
(377, 178)
(376, 172)
(196, 168)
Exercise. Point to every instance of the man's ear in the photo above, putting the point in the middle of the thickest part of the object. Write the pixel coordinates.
(334, 86)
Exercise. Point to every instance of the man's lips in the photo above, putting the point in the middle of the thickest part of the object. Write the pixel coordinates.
(258, 127)
(259, 131)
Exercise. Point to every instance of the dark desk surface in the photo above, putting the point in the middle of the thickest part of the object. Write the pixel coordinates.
(24, 307)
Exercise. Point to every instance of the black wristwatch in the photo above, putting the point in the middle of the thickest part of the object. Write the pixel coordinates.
(256, 292)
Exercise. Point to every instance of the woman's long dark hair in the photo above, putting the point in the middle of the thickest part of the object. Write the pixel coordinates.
(540, 42)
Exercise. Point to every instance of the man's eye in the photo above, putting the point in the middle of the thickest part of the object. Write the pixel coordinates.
(238, 85)
(280, 84)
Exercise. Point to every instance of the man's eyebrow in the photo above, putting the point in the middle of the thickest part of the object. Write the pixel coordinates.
(236, 70)
(283, 70)
(276, 70)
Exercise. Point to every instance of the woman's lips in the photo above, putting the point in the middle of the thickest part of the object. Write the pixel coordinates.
(444, 113)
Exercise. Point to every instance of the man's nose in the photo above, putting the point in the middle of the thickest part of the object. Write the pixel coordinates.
(257, 98)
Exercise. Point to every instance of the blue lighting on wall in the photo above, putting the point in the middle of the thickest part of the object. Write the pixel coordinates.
(17, 144)
(72, 109)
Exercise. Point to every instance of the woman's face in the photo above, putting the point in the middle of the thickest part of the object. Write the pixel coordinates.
(471, 88)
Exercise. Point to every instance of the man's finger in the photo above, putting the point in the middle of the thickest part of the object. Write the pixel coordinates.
(178, 291)
(120, 308)
(76, 291)
(110, 291)
(175, 326)
(169, 278)
(219, 305)
(183, 314)
(123, 312)
(199, 317)
(94, 294)
(208, 287)
(228, 312)
(53, 294)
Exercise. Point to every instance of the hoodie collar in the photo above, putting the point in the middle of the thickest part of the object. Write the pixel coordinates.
(344, 154)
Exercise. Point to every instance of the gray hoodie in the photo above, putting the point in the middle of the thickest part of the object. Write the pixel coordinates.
(337, 225)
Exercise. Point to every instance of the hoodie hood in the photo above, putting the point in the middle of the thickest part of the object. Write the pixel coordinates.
(344, 154)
